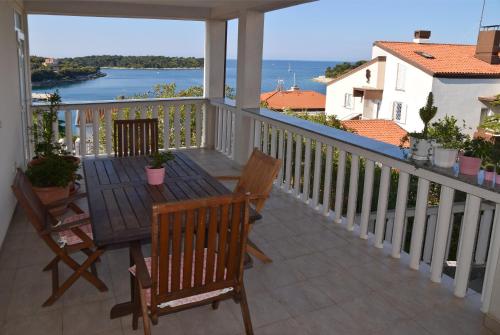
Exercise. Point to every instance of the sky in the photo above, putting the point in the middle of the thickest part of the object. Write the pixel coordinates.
(330, 30)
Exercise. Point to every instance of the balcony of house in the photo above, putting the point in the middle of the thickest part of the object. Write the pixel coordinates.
(356, 247)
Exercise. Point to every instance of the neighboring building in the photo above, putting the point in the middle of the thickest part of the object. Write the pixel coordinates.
(52, 63)
(381, 130)
(294, 99)
(394, 85)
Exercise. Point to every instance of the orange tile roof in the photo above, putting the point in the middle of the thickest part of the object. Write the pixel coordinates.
(450, 60)
(296, 100)
(381, 130)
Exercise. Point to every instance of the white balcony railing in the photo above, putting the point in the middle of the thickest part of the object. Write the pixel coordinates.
(322, 165)
(336, 173)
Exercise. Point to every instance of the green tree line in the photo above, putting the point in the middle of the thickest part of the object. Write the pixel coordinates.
(134, 61)
(340, 69)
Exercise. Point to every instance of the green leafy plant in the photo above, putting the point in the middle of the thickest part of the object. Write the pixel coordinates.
(489, 168)
(52, 171)
(160, 158)
(427, 113)
(491, 124)
(42, 130)
(447, 133)
(478, 147)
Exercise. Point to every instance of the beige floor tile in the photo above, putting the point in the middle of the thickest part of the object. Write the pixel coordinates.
(90, 318)
(49, 322)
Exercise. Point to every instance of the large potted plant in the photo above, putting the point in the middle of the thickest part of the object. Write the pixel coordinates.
(51, 179)
(489, 172)
(155, 171)
(420, 143)
(474, 152)
(449, 139)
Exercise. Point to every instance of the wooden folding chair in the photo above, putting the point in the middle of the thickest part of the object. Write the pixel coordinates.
(198, 248)
(257, 180)
(137, 137)
(74, 232)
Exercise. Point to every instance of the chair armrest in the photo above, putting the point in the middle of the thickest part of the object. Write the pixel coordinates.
(66, 201)
(227, 177)
(141, 270)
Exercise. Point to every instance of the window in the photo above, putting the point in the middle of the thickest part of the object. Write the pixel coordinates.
(348, 101)
(399, 112)
(483, 115)
(400, 77)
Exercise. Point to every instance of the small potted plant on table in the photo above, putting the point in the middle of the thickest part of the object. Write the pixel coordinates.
(474, 152)
(420, 143)
(449, 139)
(155, 171)
(497, 181)
(489, 172)
(51, 179)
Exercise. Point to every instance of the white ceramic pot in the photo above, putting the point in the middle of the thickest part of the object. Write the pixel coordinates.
(445, 158)
(421, 149)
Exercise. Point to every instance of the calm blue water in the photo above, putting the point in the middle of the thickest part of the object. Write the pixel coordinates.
(127, 82)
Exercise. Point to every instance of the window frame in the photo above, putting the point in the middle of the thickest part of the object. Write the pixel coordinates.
(350, 100)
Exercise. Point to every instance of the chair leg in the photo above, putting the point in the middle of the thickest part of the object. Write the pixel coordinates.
(144, 311)
(52, 263)
(137, 307)
(215, 304)
(255, 251)
(246, 313)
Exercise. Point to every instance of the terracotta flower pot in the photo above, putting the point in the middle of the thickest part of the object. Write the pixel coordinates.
(489, 175)
(155, 176)
(469, 165)
(48, 195)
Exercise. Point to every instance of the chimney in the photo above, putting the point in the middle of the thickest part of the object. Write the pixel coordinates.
(421, 36)
(488, 44)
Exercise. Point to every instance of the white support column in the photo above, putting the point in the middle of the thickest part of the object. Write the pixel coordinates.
(417, 233)
(466, 244)
(491, 286)
(442, 229)
(353, 192)
(214, 70)
(339, 191)
(400, 214)
(249, 73)
(383, 197)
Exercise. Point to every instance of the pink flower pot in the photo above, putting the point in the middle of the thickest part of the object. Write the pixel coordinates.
(489, 175)
(498, 180)
(155, 176)
(469, 165)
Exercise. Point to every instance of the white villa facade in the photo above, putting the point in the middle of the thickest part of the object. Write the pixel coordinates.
(394, 85)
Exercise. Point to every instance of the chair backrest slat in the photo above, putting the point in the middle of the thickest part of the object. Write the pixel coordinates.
(258, 176)
(207, 239)
(137, 137)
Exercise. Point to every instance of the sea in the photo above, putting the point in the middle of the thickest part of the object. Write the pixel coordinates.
(129, 82)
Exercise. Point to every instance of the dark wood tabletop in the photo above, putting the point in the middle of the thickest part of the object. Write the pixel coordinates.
(120, 199)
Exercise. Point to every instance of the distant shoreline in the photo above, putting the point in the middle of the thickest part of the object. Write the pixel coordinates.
(150, 68)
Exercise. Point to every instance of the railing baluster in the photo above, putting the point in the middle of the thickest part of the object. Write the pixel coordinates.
(166, 127)
(483, 236)
(187, 125)
(177, 127)
(417, 232)
(466, 244)
(444, 218)
(224, 130)
(154, 112)
(429, 238)
(400, 214)
(298, 165)
(108, 119)
(281, 144)
(328, 181)
(288, 164)
(265, 138)
(95, 130)
(219, 130)
(307, 170)
(55, 128)
(199, 123)
(388, 230)
(257, 134)
(229, 128)
(367, 199)
(83, 131)
(339, 190)
(353, 192)
(383, 197)
(68, 123)
(273, 141)
(232, 134)
(491, 264)
(144, 112)
(317, 173)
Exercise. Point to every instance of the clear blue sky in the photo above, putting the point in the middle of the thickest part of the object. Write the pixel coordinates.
(323, 30)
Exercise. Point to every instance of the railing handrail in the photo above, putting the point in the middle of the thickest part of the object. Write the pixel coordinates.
(119, 103)
(384, 153)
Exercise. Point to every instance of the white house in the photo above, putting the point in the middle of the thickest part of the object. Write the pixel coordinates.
(394, 85)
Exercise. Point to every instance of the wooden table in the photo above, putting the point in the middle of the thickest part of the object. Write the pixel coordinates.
(120, 200)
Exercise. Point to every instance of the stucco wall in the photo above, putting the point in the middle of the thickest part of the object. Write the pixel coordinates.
(417, 86)
(459, 97)
(335, 92)
(10, 114)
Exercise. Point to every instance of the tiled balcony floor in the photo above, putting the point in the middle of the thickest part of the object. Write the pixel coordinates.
(324, 280)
